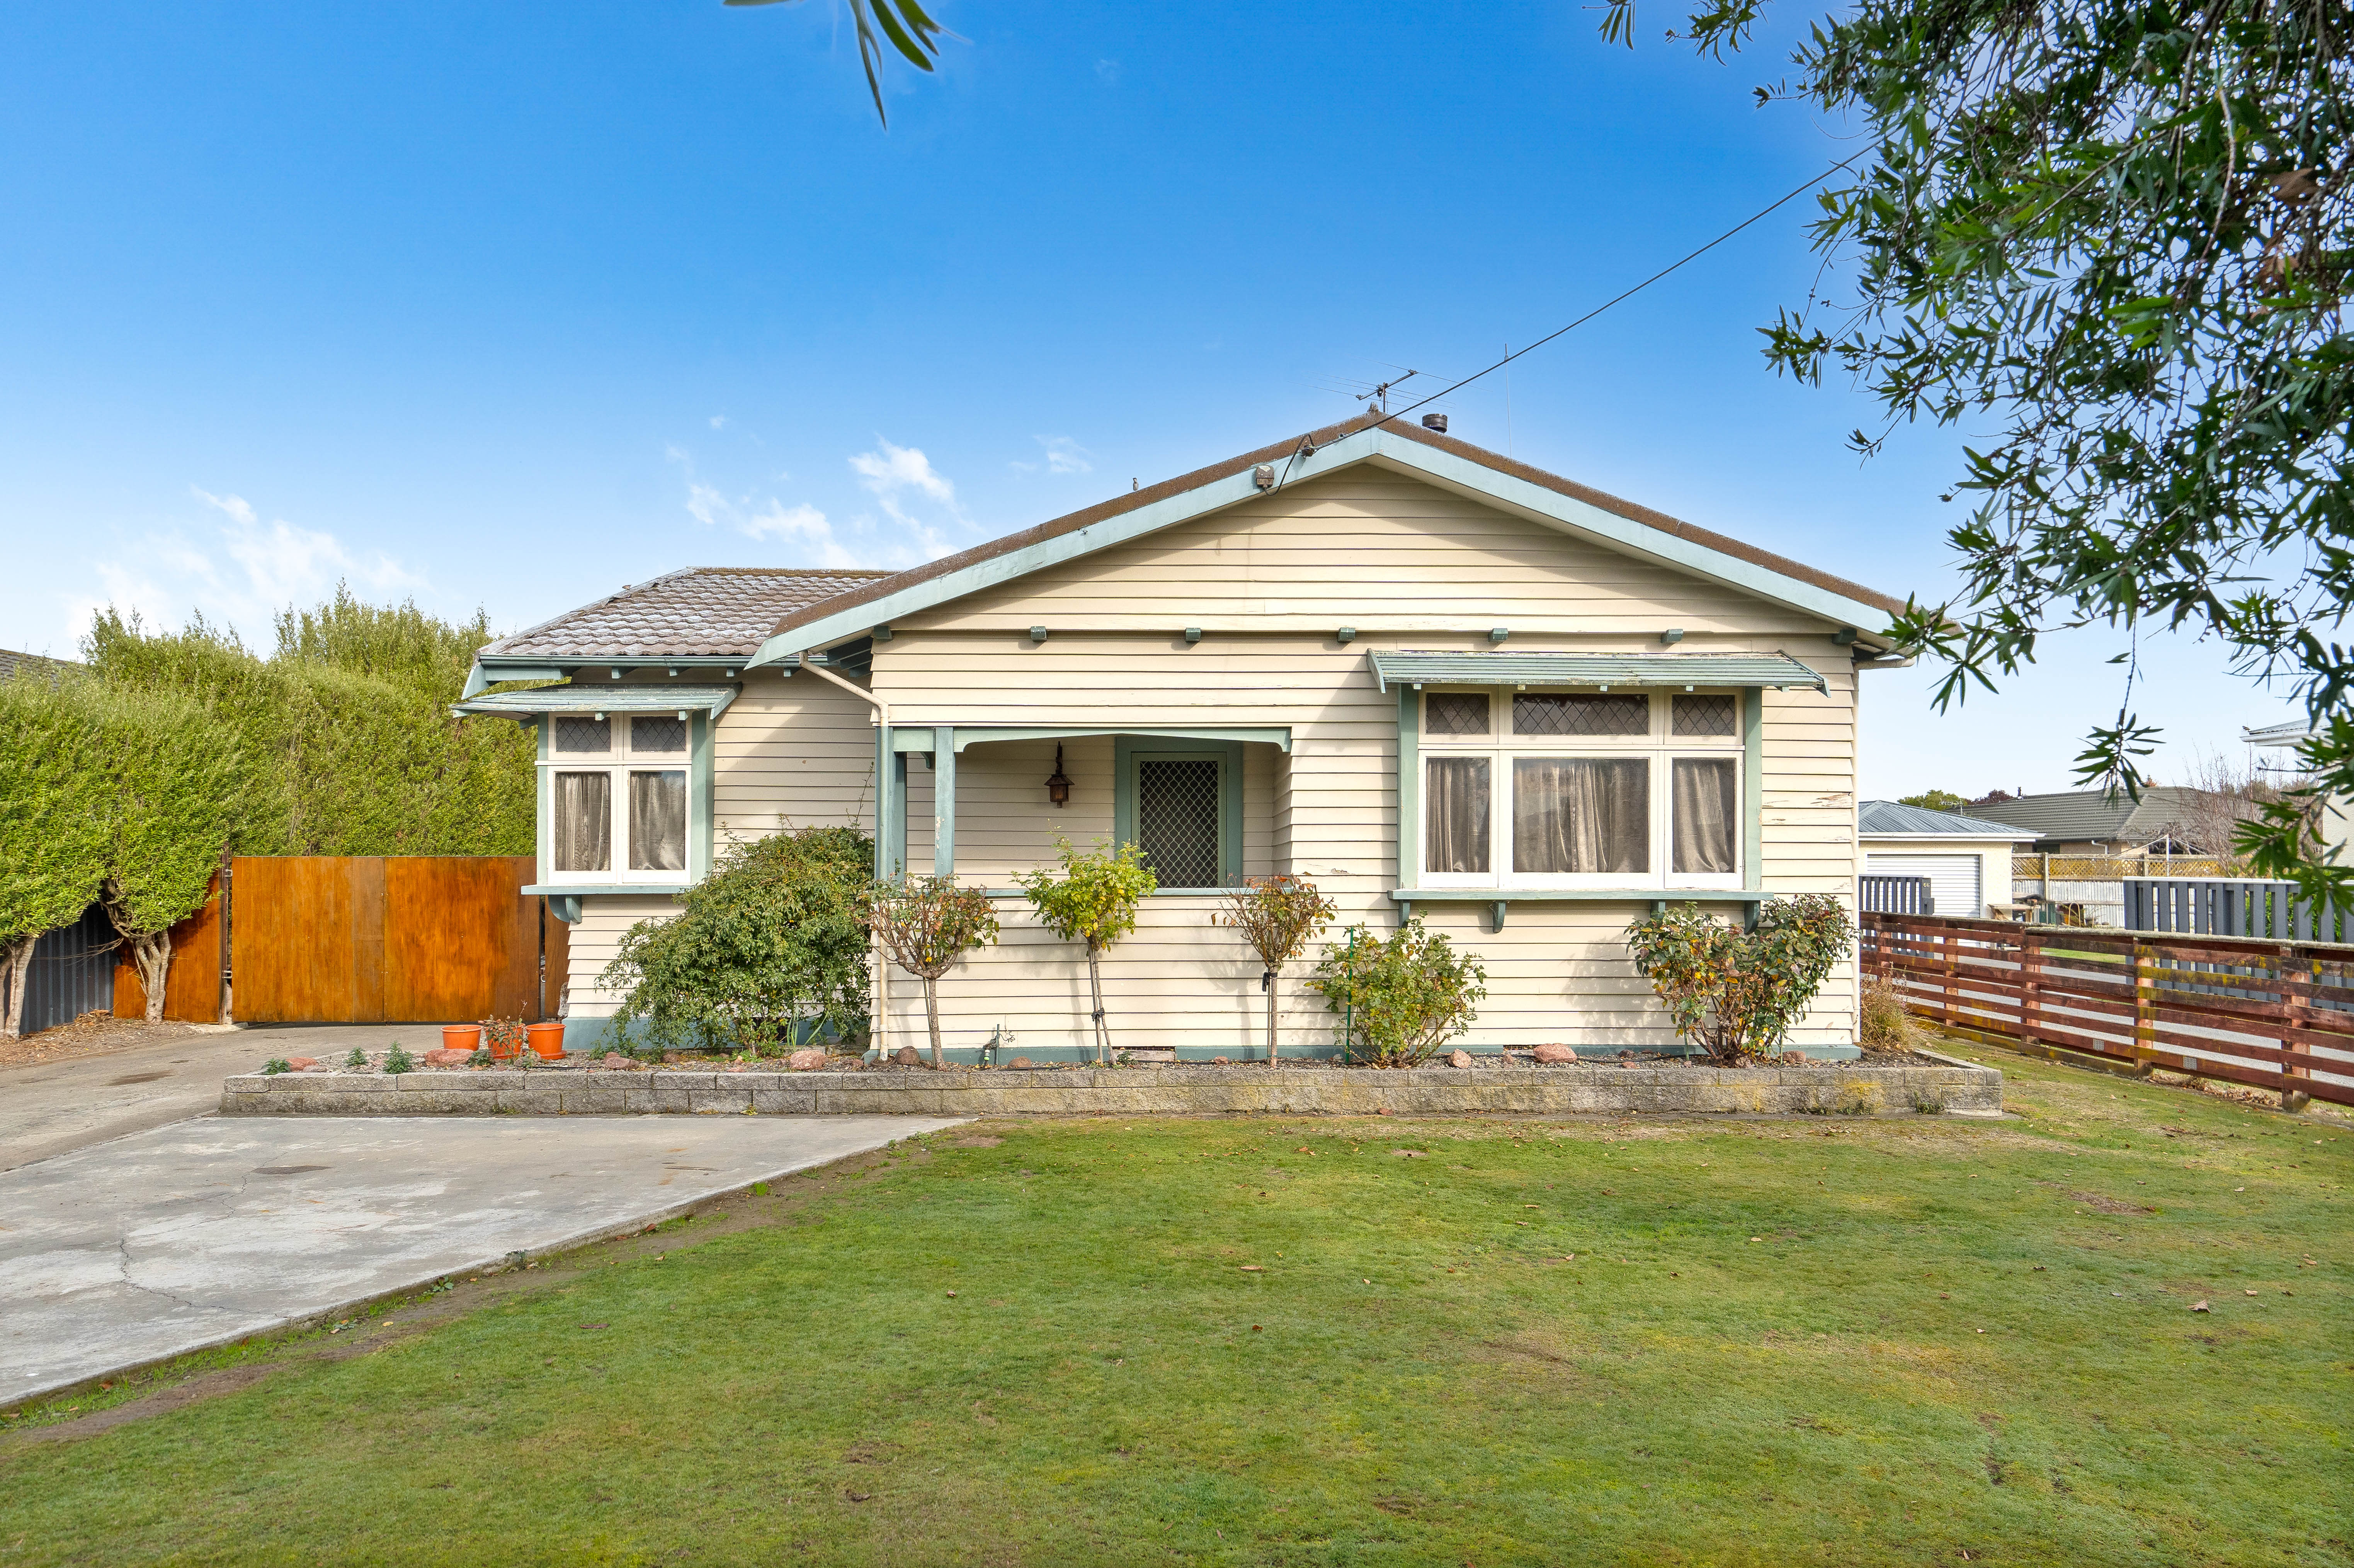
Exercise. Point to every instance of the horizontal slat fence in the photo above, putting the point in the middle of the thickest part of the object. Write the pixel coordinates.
(2273, 1015)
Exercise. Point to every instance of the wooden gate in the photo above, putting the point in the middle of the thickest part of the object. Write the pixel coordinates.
(384, 939)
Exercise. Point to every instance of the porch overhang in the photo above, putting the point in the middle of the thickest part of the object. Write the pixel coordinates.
(526, 706)
(1632, 672)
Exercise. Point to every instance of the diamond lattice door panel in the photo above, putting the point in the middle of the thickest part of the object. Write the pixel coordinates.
(1177, 820)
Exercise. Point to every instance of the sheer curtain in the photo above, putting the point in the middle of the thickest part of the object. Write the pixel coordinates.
(1577, 815)
(584, 821)
(658, 820)
(1704, 806)
(1454, 814)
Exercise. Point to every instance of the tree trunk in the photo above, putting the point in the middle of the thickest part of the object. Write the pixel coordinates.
(1274, 980)
(17, 964)
(1103, 1024)
(152, 954)
(932, 1015)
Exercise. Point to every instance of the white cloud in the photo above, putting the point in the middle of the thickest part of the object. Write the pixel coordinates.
(891, 472)
(240, 576)
(1062, 455)
(718, 422)
(1107, 71)
(771, 519)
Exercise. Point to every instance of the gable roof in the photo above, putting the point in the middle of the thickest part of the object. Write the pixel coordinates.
(2093, 816)
(13, 663)
(1892, 819)
(1492, 477)
(699, 612)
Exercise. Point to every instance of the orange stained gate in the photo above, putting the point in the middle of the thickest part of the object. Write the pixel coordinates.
(389, 939)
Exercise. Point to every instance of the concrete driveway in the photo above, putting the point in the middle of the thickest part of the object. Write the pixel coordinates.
(197, 1233)
(53, 1106)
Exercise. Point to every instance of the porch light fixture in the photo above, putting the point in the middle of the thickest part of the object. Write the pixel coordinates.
(1058, 787)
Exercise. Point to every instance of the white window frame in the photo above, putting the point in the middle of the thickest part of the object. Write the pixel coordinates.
(617, 762)
(1657, 746)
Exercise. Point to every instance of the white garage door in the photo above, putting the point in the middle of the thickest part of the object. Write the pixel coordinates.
(1953, 879)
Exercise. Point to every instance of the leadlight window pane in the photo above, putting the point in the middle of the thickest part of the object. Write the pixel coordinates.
(583, 829)
(657, 733)
(1455, 815)
(1699, 717)
(1177, 820)
(1456, 713)
(1703, 803)
(1579, 714)
(580, 732)
(658, 819)
(1574, 815)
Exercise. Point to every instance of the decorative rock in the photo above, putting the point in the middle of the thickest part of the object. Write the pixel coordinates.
(1019, 1062)
(1220, 1062)
(1459, 1058)
(1554, 1053)
(301, 1063)
(804, 1059)
(442, 1057)
(907, 1056)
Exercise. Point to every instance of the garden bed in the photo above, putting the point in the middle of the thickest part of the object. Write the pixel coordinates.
(1908, 1084)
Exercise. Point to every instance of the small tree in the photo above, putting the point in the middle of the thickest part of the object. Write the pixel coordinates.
(1095, 902)
(169, 781)
(1737, 994)
(775, 933)
(1277, 916)
(926, 925)
(1401, 1000)
(52, 843)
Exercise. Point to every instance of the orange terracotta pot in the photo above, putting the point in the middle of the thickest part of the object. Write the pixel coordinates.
(548, 1038)
(462, 1037)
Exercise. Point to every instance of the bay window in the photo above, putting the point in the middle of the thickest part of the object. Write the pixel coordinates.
(617, 797)
(1569, 789)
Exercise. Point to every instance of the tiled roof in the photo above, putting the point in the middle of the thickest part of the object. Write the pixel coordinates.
(702, 612)
(11, 662)
(1891, 816)
(2092, 816)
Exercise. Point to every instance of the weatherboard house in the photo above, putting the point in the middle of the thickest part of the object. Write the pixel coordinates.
(1438, 681)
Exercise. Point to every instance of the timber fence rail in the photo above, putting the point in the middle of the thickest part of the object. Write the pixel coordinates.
(2271, 1015)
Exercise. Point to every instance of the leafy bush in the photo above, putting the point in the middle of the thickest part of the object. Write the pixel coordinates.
(1278, 916)
(1094, 901)
(275, 1065)
(1401, 1000)
(52, 827)
(503, 1037)
(1737, 994)
(775, 936)
(926, 925)
(357, 1059)
(397, 1060)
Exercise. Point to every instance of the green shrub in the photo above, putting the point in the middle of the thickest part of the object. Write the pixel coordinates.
(775, 936)
(398, 1060)
(1733, 993)
(1402, 999)
(1278, 916)
(1094, 901)
(275, 1065)
(358, 1058)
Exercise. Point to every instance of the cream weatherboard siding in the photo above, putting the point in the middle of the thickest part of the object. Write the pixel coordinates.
(1269, 582)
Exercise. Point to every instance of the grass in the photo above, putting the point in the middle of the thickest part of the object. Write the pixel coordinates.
(1262, 1341)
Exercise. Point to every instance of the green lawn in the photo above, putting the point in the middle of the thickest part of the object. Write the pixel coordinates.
(1815, 1340)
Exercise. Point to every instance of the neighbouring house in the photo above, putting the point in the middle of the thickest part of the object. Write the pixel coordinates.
(2336, 824)
(13, 663)
(1439, 681)
(2092, 822)
(1965, 859)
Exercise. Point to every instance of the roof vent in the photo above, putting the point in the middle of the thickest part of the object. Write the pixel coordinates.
(1435, 423)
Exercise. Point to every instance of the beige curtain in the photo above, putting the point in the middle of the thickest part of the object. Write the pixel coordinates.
(658, 820)
(583, 829)
(1704, 802)
(1576, 815)
(1455, 815)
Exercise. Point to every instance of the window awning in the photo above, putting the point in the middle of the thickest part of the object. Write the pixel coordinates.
(1663, 672)
(636, 697)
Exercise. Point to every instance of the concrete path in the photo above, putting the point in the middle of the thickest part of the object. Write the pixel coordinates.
(186, 1236)
(54, 1106)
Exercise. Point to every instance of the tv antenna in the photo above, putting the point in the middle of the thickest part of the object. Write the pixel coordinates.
(1380, 395)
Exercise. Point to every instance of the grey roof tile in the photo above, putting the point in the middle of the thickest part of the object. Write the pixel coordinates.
(2091, 815)
(699, 612)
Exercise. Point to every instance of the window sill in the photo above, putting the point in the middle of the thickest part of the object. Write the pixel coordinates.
(1157, 893)
(1496, 899)
(601, 889)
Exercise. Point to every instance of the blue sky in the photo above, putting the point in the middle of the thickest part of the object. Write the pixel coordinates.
(509, 305)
